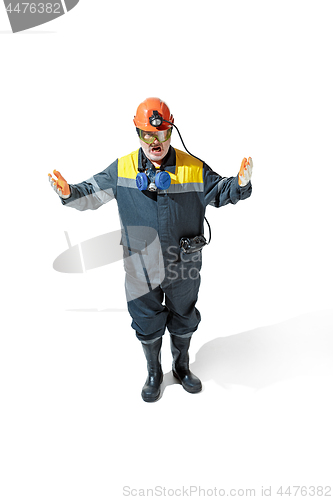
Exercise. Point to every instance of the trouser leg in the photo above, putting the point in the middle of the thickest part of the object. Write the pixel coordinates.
(149, 318)
(181, 296)
(149, 315)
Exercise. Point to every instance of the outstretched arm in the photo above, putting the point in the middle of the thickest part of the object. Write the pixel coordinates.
(220, 191)
(90, 194)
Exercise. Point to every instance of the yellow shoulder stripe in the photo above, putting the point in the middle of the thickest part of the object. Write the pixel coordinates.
(128, 165)
(188, 168)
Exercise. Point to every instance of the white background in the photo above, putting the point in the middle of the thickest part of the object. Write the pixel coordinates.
(242, 78)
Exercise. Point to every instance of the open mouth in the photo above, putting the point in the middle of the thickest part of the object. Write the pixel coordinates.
(156, 149)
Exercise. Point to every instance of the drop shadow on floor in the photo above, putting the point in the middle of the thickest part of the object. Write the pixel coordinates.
(256, 359)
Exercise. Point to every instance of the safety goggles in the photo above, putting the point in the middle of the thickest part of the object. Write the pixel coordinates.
(149, 137)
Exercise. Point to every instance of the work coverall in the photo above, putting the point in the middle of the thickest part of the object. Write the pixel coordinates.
(152, 225)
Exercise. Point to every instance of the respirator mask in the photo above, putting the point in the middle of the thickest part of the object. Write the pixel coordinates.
(152, 180)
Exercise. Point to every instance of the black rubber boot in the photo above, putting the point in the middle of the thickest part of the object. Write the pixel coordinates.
(151, 390)
(180, 366)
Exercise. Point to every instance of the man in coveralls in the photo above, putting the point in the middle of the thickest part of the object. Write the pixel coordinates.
(162, 282)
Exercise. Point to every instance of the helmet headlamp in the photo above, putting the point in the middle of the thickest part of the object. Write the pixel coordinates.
(155, 119)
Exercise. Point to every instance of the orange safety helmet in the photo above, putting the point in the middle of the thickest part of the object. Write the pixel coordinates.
(145, 111)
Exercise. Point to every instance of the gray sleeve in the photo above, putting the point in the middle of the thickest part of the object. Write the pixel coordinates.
(94, 192)
(220, 191)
